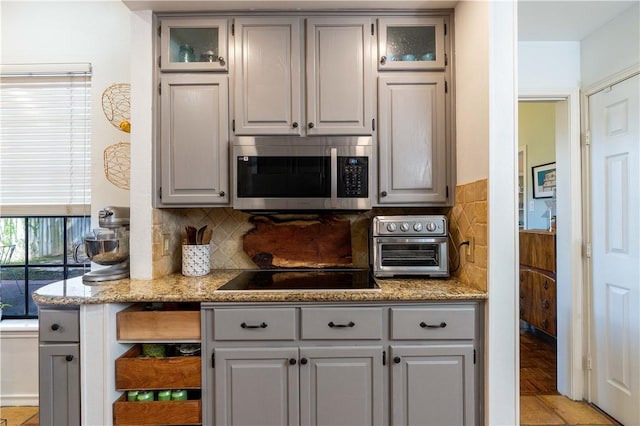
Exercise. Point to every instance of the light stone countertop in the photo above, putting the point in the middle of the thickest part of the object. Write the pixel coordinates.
(178, 288)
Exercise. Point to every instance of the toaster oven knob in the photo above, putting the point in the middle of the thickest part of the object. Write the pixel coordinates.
(417, 227)
(404, 227)
(431, 226)
(391, 227)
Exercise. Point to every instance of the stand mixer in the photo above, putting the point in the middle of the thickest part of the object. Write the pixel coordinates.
(108, 246)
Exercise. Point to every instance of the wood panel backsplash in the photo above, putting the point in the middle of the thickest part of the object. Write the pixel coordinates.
(320, 243)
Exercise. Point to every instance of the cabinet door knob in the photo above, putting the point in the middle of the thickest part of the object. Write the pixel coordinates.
(546, 284)
(545, 304)
(69, 358)
(292, 361)
(222, 193)
(310, 125)
(294, 125)
(221, 60)
(383, 194)
(55, 327)
(303, 361)
(383, 60)
(397, 359)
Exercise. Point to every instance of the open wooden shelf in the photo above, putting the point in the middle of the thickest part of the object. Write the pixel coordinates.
(157, 412)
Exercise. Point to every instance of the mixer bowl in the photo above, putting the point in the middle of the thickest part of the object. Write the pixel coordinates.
(107, 251)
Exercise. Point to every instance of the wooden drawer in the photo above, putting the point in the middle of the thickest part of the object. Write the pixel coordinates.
(433, 323)
(254, 324)
(341, 323)
(57, 325)
(139, 325)
(157, 412)
(138, 373)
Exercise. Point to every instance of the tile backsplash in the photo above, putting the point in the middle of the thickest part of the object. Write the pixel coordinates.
(468, 217)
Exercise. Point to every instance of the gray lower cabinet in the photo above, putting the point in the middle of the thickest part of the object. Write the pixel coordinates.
(341, 385)
(342, 364)
(59, 367)
(432, 385)
(256, 386)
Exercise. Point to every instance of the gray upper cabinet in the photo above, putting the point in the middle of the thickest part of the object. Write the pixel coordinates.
(412, 139)
(339, 76)
(267, 73)
(193, 44)
(269, 79)
(411, 43)
(194, 139)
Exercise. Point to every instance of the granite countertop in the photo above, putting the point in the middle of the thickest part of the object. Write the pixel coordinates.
(178, 288)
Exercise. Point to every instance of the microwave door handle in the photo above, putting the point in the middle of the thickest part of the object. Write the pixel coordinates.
(334, 178)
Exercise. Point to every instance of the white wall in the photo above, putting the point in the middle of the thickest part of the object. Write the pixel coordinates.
(18, 363)
(548, 65)
(472, 90)
(612, 48)
(61, 32)
(537, 131)
(97, 32)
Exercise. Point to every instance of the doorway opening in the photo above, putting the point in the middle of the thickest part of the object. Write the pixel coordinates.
(537, 240)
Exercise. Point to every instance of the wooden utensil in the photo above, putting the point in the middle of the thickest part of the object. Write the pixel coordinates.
(200, 234)
(206, 238)
(191, 234)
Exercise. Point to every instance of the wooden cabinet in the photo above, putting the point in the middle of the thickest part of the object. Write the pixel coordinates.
(538, 279)
(134, 372)
(271, 71)
(412, 139)
(59, 366)
(193, 44)
(332, 364)
(194, 140)
(411, 43)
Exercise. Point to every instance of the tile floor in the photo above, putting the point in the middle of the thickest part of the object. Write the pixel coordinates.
(540, 403)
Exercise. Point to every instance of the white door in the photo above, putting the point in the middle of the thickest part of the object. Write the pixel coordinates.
(615, 188)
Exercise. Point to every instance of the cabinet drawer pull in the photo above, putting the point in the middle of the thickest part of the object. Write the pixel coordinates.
(334, 325)
(55, 327)
(245, 325)
(425, 325)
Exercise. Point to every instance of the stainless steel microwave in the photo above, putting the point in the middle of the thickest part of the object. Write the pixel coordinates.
(302, 173)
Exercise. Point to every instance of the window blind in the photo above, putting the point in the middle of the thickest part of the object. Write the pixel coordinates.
(45, 145)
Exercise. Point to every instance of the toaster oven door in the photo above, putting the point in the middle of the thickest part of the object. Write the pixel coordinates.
(410, 256)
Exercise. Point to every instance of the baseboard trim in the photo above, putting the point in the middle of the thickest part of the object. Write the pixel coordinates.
(19, 400)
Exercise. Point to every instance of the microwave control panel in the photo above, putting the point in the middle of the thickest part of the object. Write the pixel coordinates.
(353, 177)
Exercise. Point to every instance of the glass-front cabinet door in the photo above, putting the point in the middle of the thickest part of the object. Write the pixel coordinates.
(193, 44)
(411, 43)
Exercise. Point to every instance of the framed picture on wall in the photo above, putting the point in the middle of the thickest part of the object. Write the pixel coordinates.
(544, 180)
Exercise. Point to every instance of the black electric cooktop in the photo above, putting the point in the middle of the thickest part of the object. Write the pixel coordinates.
(302, 279)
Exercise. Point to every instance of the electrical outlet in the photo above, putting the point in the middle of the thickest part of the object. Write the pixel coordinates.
(470, 249)
(165, 244)
(532, 206)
